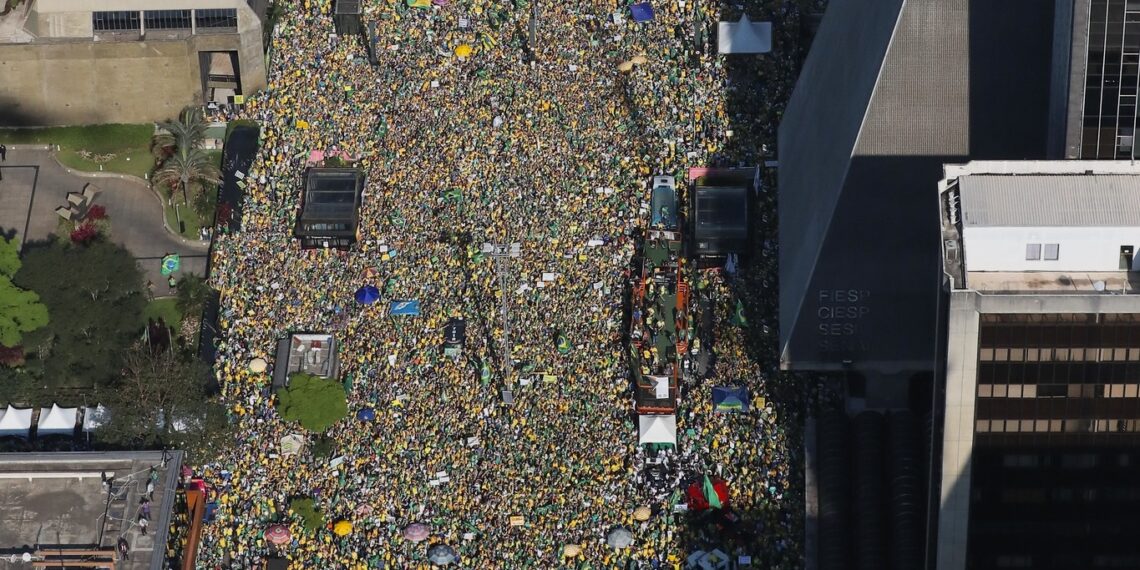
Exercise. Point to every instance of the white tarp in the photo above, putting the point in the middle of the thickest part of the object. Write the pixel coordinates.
(744, 36)
(57, 420)
(15, 421)
(95, 417)
(657, 429)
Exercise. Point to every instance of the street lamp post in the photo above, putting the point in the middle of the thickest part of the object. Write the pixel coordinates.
(501, 253)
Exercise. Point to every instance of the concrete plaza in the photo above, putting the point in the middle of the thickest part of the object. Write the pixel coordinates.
(34, 185)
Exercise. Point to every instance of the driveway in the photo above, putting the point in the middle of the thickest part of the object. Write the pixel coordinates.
(34, 185)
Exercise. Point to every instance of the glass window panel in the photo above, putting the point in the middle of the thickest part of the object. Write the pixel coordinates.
(1130, 390)
(1032, 252)
(1000, 390)
(1052, 251)
(167, 19)
(986, 354)
(115, 21)
(1017, 354)
(216, 18)
(997, 425)
(987, 390)
(1014, 391)
(1032, 354)
(1029, 391)
(983, 426)
(1001, 354)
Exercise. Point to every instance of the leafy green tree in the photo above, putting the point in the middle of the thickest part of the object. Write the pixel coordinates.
(192, 294)
(97, 294)
(315, 402)
(20, 310)
(160, 397)
(306, 509)
(9, 256)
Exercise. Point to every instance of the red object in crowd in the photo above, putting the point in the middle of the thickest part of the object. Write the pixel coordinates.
(695, 495)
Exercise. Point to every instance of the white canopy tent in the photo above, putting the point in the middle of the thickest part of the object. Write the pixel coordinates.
(94, 418)
(657, 429)
(15, 421)
(744, 36)
(57, 420)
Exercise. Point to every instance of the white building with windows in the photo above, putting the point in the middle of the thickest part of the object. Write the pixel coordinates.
(126, 61)
(1041, 317)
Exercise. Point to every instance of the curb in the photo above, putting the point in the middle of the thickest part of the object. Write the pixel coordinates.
(30, 146)
(135, 180)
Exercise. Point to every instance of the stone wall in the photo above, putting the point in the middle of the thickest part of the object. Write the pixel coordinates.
(87, 82)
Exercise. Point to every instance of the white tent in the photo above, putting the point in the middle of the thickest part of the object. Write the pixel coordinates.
(95, 417)
(57, 420)
(657, 429)
(15, 421)
(744, 36)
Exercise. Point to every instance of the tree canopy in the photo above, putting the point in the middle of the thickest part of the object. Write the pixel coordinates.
(315, 402)
(160, 397)
(96, 293)
(20, 310)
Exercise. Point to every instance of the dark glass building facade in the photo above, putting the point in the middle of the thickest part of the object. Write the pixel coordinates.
(1111, 80)
(1056, 460)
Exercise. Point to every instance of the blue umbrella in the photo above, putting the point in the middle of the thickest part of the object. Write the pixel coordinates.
(366, 415)
(367, 295)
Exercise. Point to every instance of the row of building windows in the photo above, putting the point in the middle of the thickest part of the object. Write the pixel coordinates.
(1057, 426)
(1089, 354)
(1059, 390)
(1033, 251)
(131, 20)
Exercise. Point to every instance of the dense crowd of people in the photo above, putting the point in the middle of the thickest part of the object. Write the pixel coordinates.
(481, 125)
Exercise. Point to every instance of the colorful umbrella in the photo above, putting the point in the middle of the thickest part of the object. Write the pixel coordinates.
(366, 415)
(463, 50)
(278, 534)
(619, 537)
(441, 554)
(642, 514)
(417, 532)
(367, 295)
(342, 528)
(258, 365)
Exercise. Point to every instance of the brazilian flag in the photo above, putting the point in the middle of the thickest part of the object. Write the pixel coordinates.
(710, 494)
(484, 373)
(563, 345)
(738, 318)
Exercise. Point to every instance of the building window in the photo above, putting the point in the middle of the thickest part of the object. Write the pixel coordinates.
(216, 18)
(1033, 252)
(167, 19)
(115, 21)
(1052, 251)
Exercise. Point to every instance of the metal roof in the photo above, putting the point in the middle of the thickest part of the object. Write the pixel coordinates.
(1097, 200)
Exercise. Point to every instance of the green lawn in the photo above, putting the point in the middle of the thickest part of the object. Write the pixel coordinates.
(166, 308)
(130, 145)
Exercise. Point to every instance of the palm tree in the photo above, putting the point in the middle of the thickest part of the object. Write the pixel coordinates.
(189, 131)
(187, 165)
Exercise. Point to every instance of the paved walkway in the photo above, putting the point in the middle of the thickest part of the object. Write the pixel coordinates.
(34, 185)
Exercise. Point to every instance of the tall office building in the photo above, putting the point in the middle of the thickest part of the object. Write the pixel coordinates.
(892, 90)
(1041, 438)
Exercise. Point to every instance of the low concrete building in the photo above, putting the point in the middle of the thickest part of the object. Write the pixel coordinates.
(64, 63)
(85, 509)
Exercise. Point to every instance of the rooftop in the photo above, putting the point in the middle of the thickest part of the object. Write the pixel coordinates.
(53, 500)
(1053, 282)
(1010, 200)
